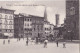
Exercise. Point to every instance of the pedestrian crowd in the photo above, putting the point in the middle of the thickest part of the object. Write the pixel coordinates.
(45, 42)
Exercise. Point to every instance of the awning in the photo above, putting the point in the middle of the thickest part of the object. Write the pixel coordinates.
(6, 34)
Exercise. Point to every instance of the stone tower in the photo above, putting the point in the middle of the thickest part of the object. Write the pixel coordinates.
(72, 18)
(57, 19)
(45, 14)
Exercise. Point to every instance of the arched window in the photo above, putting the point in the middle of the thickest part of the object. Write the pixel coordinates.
(72, 11)
(10, 17)
(10, 22)
(0, 16)
(6, 22)
(6, 17)
(10, 27)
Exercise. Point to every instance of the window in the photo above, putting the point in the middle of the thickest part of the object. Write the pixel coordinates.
(25, 28)
(45, 28)
(27, 24)
(10, 30)
(10, 27)
(34, 29)
(6, 17)
(72, 10)
(10, 17)
(0, 16)
(45, 32)
(6, 30)
(28, 19)
(10, 22)
(31, 24)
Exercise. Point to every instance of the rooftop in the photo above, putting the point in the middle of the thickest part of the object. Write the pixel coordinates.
(6, 9)
(28, 15)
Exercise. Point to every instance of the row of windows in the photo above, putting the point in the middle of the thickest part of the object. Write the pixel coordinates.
(9, 30)
(47, 29)
(26, 19)
(28, 34)
(6, 26)
(10, 27)
(36, 21)
(38, 29)
(28, 24)
(46, 32)
(6, 12)
(26, 29)
(38, 26)
(6, 16)
(6, 22)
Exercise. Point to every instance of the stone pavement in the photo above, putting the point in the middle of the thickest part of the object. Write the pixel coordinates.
(20, 47)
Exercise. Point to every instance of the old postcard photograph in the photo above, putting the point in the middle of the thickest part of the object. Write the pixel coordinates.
(40, 26)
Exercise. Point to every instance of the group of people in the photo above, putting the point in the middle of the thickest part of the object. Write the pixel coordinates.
(64, 44)
(46, 41)
(8, 41)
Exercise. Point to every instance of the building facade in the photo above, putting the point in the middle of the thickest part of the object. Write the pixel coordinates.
(46, 28)
(37, 26)
(52, 29)
(18, 26)
(7, 22)
(28, 25)
(72, 19)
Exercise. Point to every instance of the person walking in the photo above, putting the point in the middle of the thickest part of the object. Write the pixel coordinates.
(3, 42)
(45, 43)
(27, 41)
(8, 41)
(64, 44)
(19, 39)
(57, 43)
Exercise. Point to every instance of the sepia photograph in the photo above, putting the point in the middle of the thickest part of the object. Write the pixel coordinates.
(40, 26)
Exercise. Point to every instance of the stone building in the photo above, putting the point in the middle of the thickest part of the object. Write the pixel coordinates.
(18, 26)
(52, 29)
(6, 22)
(28, 25)
(72, 19)
(57, 19)
(46, 28)
(37, 26)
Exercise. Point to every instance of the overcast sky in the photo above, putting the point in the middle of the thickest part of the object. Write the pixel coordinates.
(29, 7)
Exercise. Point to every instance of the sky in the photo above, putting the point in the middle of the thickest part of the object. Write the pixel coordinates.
(37, 7)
